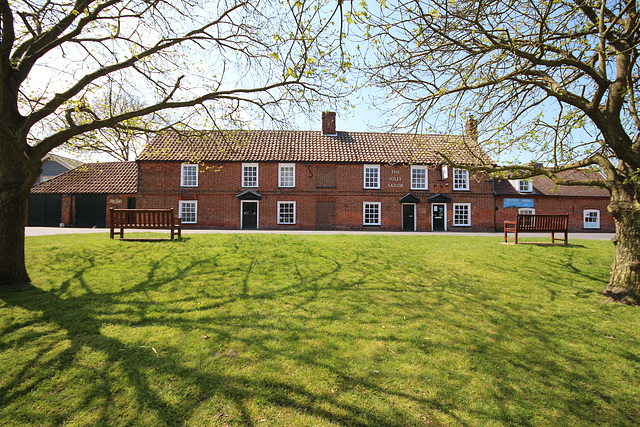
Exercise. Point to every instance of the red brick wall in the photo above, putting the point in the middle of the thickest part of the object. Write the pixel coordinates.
(219, 185)
(574, 206)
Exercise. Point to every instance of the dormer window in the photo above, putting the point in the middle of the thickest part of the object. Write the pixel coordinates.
(525, 186)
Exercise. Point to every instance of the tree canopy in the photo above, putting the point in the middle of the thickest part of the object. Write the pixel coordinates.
(555, 78)
(64, 65)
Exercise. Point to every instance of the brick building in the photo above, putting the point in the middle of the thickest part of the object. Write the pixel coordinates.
(82, 196)
(316, 180)
(586, 206)
(313, 180)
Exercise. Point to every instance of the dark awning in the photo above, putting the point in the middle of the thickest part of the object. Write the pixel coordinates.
(249, 195)
(409, 198)
(439, 198)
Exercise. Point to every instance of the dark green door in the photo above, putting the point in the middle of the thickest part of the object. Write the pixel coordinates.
(45, 210)
(91, 210)
(438, 217)
(249, 215)
(408, 217)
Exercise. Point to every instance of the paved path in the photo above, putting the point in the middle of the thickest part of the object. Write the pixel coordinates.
(48, 231)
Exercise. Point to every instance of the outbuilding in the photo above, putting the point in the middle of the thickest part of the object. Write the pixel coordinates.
(82, 196)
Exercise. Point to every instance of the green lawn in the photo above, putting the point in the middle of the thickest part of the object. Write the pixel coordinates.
(245, 329)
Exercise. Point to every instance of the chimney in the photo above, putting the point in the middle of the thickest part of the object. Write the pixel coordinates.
(472, 128)
(329, 123)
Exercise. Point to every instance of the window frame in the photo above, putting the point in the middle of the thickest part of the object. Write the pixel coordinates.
(456, 223)
(364, 213)
(528, 188)
(457, 182)
(375, 167)
(596, 223)
(523, 211)
(244, 180)
(183, 168)
(182, 203)
(426, 177)
(280, 203)
(280, 175)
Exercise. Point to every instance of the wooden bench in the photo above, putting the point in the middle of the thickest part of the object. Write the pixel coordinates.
(144, 219)
(538, 223)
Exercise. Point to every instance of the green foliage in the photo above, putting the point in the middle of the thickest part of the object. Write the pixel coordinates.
(234, 329)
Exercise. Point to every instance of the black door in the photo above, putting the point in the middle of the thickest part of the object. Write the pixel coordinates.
(249, 215)
(408, 217)
(45, 210)
(438, 217)
(91, 210)
(131, 202)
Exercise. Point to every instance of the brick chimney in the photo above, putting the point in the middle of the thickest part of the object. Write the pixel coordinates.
(328, 123)
(472, 128)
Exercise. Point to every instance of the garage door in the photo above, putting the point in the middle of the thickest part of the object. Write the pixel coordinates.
(91, 210)
(44, 210)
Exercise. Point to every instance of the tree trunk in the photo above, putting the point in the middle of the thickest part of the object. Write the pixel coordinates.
(624, 285)
(12, 216)
(15, 184)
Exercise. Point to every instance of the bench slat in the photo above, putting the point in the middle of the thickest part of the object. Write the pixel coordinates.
(144, 219)
(537, 223)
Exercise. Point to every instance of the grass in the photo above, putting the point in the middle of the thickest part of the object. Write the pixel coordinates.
(242, 329)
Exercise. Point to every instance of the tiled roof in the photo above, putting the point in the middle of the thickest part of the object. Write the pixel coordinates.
(95, 178)
(311, 146)
(545, 186)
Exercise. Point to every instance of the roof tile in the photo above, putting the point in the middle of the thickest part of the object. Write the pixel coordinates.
(311, 146)
(545, 186)
(95, 178)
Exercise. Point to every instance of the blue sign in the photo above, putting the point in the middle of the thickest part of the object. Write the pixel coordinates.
(518, 203)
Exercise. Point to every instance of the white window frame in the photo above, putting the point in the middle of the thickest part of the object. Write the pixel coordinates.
(184, 169)
(183, 203)
(460, 179)
(422, 186)
(526, 211)
(365, 205)
(525, 186)
(367, 182)
(280, 211)
(282, 166)
(591, 224)
(245, 166)
(456, 221)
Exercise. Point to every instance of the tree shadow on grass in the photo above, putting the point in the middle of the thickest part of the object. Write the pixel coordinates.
(148, 375)
(80, 321)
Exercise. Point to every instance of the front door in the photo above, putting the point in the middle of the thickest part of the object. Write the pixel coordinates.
(408, 217)
(249, 215)
(438, 217)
